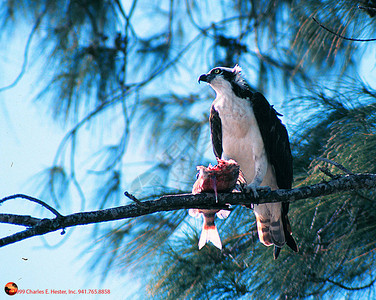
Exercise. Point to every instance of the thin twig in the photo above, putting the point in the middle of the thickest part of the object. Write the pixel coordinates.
(133, 198)
(327, 172)
(338, 165)
(348, 287)
(367, 8)
(341, 36)
(315, 214)
(333, 218)
(32, 199)
(26, 51)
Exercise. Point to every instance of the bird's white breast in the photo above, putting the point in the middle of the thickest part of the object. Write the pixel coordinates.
(241, 137)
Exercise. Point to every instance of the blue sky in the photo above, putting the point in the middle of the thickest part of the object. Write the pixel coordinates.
(29, 140)
(28, 144)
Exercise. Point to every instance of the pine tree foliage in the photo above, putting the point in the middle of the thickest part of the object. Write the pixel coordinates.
(127, 70)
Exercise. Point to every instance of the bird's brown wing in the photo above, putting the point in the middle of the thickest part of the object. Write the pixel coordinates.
(277, 146)
(216, 132)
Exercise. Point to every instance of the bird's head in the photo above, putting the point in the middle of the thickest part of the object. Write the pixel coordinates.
(222, 78)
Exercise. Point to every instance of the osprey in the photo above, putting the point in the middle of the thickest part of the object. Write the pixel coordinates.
(246, 128)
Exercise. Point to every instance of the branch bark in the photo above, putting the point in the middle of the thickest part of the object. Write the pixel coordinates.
(37, 226)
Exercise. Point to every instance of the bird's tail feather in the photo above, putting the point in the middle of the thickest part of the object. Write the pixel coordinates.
(276, 251)
(269, 224)
(290, 241)
(263, 231)
(277, 233)
(270, 233)
(274, 228)
(209, 234)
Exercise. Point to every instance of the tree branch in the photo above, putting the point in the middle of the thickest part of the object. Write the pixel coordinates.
(182, 201)
(32, 199)
(22, 220)
(338, 165)
(341, 36)
(347, 287)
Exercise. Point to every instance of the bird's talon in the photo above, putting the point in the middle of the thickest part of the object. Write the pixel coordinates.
(240, 188)
(253, 188)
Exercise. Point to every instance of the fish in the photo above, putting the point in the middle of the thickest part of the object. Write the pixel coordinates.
(222, 177)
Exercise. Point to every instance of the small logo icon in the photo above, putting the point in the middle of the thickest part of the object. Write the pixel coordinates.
(11, 288)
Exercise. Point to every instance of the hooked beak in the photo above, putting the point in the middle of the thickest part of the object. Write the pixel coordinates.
(204, 77)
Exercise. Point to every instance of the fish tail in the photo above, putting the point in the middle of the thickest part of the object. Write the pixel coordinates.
(210, 234)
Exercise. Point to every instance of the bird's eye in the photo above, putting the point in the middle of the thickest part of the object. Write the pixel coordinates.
(217, 71)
